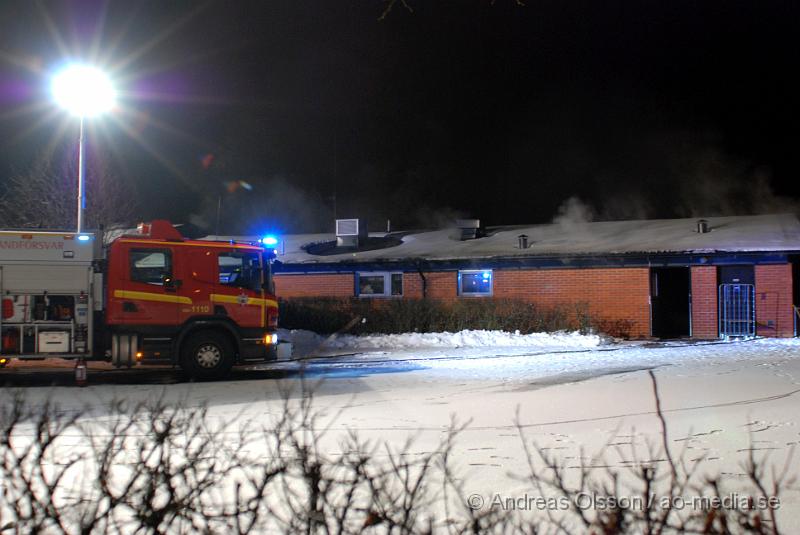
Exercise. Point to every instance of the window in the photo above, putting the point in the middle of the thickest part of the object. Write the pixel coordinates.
(151, 266)
(371, 284)
(475, 282)
(240, 270)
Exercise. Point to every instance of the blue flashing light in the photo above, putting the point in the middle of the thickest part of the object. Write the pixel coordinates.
(84, 237)
(269, 240)
(487, 275)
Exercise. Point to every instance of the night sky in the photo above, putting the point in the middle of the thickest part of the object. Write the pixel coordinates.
(460, 108)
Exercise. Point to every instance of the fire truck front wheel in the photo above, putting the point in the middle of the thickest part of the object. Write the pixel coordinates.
(207, 355)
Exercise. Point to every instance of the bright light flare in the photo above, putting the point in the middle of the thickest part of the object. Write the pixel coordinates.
(83, 90)
(269, 240)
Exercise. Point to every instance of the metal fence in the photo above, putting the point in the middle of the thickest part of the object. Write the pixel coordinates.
(737, 311)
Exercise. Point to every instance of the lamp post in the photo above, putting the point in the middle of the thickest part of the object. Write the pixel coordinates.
(85, 92)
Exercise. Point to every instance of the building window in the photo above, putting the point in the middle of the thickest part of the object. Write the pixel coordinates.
(240, 270)
(151, 266)
(475, 282)
(379, 284)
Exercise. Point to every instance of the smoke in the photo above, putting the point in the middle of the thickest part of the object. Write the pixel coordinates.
(695, 183)
(274, 205)
(438, 218)
(573, 215)
(716, 185)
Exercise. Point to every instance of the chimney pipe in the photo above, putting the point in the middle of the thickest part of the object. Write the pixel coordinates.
(702, 226)
(523, 241)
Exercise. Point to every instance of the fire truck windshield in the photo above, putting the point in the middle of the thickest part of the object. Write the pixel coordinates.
(241, 270)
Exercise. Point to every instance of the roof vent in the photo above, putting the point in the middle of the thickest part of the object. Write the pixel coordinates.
(702, 226)
(350, 231)
(523, 241)
(469, 228)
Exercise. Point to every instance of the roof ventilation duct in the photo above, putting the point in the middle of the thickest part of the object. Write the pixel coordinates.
(350, 232)
(702, 226)
(469, 229)
(523, 241)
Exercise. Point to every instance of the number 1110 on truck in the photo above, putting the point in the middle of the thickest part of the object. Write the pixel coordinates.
(148, 298)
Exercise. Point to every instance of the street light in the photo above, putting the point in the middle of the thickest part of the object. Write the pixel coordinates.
(85, 92)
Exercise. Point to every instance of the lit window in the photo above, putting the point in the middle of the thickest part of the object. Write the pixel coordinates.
(379, 284)
(475, 282)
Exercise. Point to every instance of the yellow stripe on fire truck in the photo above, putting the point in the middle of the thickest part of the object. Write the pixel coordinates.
(147, 296)
(242, 300)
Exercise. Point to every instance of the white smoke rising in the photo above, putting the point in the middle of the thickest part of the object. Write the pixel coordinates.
(573, 215)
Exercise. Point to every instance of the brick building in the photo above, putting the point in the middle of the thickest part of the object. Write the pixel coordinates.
(664, 278)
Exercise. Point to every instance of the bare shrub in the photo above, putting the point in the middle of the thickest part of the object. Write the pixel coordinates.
(649, 490)
(156, 467)
(617, 328)
(329, 315)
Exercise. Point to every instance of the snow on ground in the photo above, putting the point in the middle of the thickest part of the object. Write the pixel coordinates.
(574, 395)
(307, 342)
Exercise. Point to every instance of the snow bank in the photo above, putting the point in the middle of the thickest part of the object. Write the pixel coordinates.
(465, 338)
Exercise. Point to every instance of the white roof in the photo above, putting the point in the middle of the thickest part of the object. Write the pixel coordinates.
(759, 233)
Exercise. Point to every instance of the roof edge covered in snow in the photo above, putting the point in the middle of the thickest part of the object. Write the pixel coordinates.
(773, 233)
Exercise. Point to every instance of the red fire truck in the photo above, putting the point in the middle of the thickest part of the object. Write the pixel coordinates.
(150, 297)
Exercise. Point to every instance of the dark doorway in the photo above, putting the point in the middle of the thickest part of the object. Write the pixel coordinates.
(670, 290)
(795, 260)
(795, 290)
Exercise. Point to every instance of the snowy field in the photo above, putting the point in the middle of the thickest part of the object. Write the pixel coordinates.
(574, 396)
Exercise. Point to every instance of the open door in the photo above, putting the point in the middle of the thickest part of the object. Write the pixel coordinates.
(670, 298)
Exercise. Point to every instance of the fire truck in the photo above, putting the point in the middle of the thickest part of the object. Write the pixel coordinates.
(146, 298)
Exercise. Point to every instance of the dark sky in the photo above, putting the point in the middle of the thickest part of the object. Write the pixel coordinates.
(502, 112)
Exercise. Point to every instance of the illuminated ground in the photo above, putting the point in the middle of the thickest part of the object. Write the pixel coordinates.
(720, 399)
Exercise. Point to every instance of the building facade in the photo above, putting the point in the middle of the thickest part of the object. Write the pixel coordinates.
(661, 279)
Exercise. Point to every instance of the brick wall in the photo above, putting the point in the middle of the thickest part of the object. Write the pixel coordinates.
(704, 302)
(439, 285)
(613, 295)
(412, 286)
(314, 285)
(774, 313)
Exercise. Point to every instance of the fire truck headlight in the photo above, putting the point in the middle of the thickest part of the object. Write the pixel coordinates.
(271, 338)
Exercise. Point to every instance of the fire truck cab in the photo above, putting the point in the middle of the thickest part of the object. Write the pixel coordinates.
(151, 297)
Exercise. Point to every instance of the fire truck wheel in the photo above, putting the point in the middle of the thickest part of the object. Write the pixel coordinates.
(207, 355)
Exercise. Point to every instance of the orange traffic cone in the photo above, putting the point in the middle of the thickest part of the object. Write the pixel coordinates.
(80, 373)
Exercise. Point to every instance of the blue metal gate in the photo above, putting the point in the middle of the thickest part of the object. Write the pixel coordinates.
(737, 311)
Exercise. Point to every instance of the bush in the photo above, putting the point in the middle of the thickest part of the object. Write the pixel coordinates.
(158, 468)
(393, 316)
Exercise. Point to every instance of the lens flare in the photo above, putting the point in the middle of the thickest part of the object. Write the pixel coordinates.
(83, 90)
